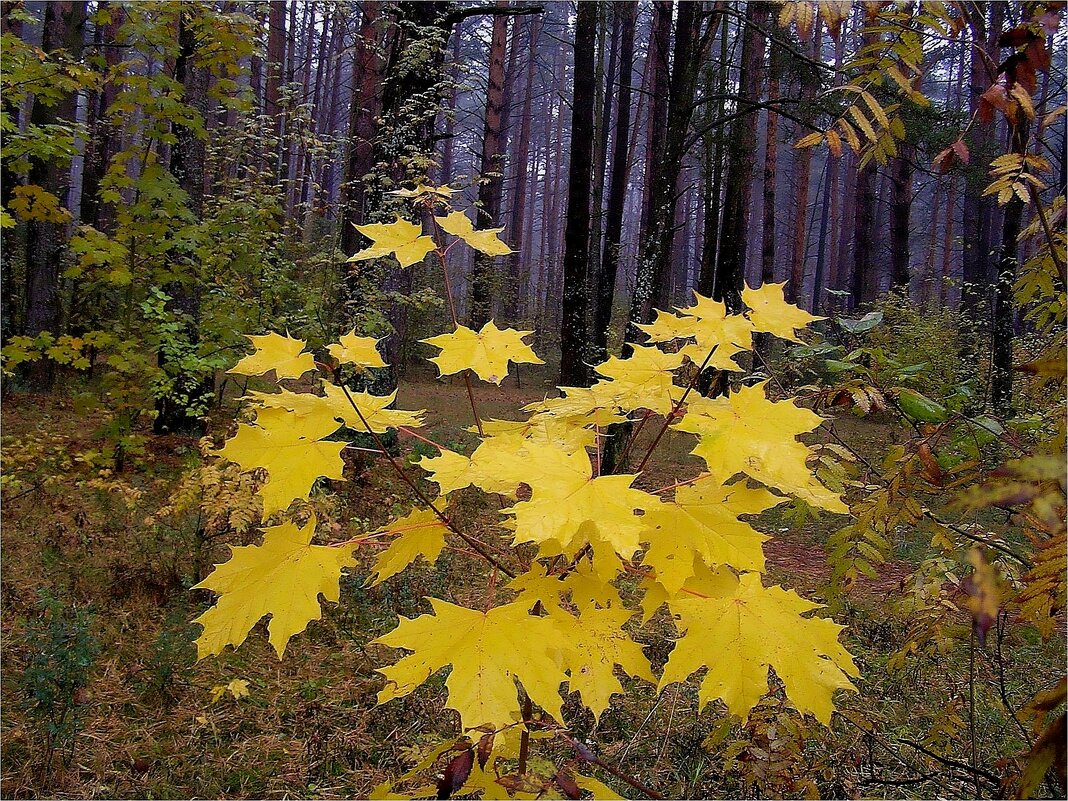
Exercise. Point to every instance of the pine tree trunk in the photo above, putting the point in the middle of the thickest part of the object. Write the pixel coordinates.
(490, 181)
(730, 267)
(517, 287)
(63, 21)
(617, 189)
(573, 369)
(182, 407)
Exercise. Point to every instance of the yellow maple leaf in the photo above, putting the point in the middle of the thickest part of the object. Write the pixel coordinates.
(567, 511)
(702, 522)
(590, 586)
(419, 533)
(238, 688)
(488, 651)
(403, 239)
(738, 633)
(374, 408)
(485, 241)
(747, 433)
(283, 354)
(289, 447)
(282, 578)
(769, 312)
(536, 585)
(728, 334)
(422, 190)
(645, 380)
(592, 644)
(485, 353)
(668, 327)
(361, 352)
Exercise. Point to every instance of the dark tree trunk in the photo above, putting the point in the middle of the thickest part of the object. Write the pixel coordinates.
(713, 167)
(652, 284)
(1004, 306)
(771, 135)
(181, 409)
(900, 215)
(518, 288)
(977, 265)
(365, 108)
(63, 23)
(276, 46)
(803, 173)
(490, 185)
(617, 189)
(730, 267)
(573, 368)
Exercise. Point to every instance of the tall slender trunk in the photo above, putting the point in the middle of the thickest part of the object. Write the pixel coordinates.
(180, 409)
(803, 174)
(490, 181)
(63, 23)
(617, 189)
(366, 106)
(900, 215)
(518, 288)
(730, 267)
(1004, 306)
(771, 135)
(713, 158)
(573, 368)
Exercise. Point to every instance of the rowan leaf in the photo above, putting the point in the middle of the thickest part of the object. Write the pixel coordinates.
(769, 312)
(282, 578)
(488, 652)
(738, 633)
(485, 241)
(361, 352)
(402, 239)
(485, 353)
(283, 354)
(289, 446)
(419, 533)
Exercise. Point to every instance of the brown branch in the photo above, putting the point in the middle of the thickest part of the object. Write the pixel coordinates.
(421, 495)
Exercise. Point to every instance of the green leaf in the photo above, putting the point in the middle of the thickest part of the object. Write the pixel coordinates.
(921, 408)
(859, 326)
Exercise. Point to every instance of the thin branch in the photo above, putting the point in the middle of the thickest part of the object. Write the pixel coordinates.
(421, 495)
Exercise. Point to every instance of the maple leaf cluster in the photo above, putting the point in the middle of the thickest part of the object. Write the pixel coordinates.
(566, 622)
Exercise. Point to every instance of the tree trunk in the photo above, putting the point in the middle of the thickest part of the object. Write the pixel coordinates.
(365, 108)
(900, 213)
(617, 189)
(276, 46)
(771, 135)
(573, 368)
(730, 267)
(713, 166)
(977, 230)
(517, 287)
(182, 407)
(490, 179)
(63, 23)
(809, 82)
(1004, 306)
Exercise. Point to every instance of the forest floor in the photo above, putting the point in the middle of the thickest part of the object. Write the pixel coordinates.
(82, 551)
